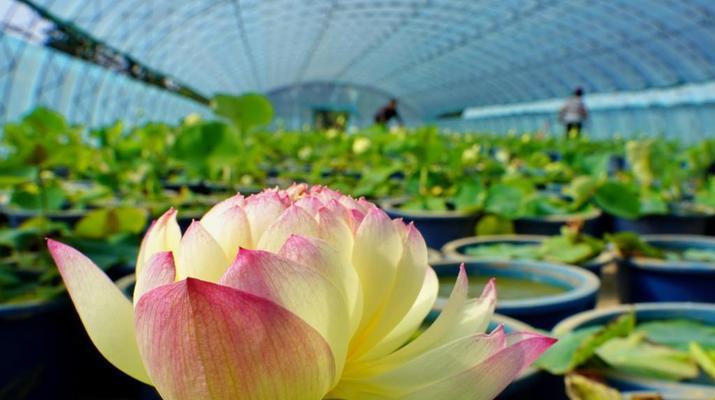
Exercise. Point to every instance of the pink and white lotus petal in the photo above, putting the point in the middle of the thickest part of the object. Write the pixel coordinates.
(334, 228)
(301, 289)
(106, 313)
(159, 271)
(410, 322)
(200, 340)
(294, 221)
(490, 377)
(230, 228)
(397, 380)
(376, 252)
(450, 323)
(407, 285)
(164, 234)
(200, 256)
(262, 210)
(330, 263)
(235, 201)
(310, 204)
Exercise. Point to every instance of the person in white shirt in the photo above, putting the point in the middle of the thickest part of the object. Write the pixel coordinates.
(573, 114)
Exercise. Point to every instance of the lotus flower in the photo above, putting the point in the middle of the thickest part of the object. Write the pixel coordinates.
(294, 294)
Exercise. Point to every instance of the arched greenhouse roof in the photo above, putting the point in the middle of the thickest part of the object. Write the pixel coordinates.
(436, 56)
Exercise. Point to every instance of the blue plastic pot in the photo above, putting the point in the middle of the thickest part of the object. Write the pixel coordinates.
(15, 216)
(654, 280)
(710, 226)
(641, 394)
(543, 312)
(330, 172)
(677, 223)
(198, 187)
(648, 312)
(433, 255)
(437, 228)
(552, 187)
(616, 163)
(593, 224)
(457, 249)
(32, 344)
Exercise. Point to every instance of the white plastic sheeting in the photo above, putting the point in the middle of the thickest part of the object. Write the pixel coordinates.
(32, 75)
(436, 55)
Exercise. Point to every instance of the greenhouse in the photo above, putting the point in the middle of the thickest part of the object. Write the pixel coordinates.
(357, 200)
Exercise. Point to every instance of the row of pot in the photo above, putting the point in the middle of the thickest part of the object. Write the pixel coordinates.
(69, 348)
(661, 289)
(439, 228)
(41, 360)
(42, 368)
(640, 279)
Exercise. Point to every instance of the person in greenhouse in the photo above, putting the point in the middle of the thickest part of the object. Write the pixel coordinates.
(573, 114)
(387, 113)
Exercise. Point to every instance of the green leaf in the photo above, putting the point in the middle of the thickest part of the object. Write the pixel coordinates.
(630, 244)
(435, 203)
(494, 225)
(46, 122)
(700, 255)
(504, 251)
(594, 164)
(579, 346)
(618, 199)
(582, 189)
(106, 222)
(542, 204)
(651, 202)
(119, 249)
(200, 146)
(704, 360)
(413, 204)
(11, 175)
(636, 356)
(470, 196)
(504, 200)
(578, 387)
(425, 203)
(678, 333)
(18, 238)
(246, 111)
(34, 198)
(561, 249)
(559, 359)
(372, 179)
(705, 196)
